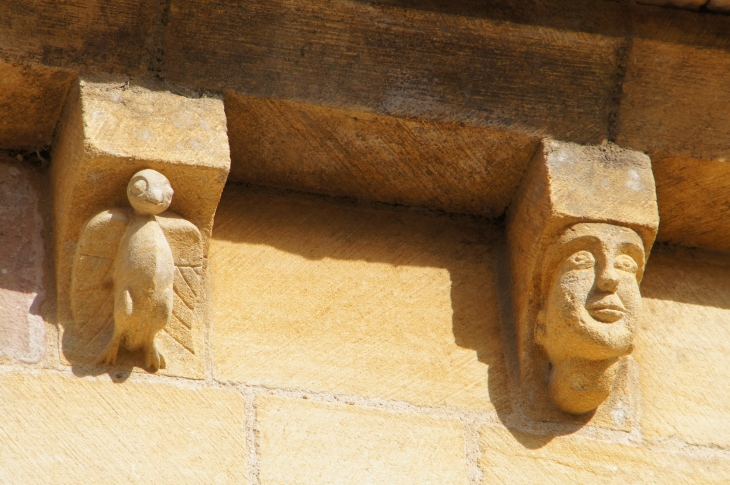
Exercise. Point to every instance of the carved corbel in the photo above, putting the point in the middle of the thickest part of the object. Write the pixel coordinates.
(579, 231)
(131, 274)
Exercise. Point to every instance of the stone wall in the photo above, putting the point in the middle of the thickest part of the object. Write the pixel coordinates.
(355, 343)
(353, 319)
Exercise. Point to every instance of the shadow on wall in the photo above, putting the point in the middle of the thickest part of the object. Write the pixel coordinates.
(684, 275)
(317, 230)
(22, 262)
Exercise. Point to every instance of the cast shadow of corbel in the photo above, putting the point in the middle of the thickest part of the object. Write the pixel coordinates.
(503, 372)
(316, 228)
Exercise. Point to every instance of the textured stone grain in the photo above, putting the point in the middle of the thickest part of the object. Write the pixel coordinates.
(64, 430)
(374, 157)
(90, 35)
(407, 62)
(674, 101)
(31, 99)
(683, 348)
(518, 458)
(326, 297)
(693, 199)
(303, 442)
(22, 329)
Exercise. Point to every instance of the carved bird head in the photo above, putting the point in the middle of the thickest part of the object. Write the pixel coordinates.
(149, 192)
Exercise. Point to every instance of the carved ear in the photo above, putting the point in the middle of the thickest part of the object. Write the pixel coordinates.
(540, 328)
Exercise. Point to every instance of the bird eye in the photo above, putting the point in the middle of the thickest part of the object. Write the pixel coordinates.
(624, 262)
(138, 187)
(582, 260)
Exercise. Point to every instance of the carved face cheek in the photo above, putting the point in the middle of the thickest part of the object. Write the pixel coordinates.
(630, 295)
(572, 294)
(566, 303)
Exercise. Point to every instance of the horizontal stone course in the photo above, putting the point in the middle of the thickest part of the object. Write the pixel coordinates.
(683, 348)
(304, 442)
(518, 458)
(63, 430)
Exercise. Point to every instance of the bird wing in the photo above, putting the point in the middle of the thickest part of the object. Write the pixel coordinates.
(92, 276)
(186, 244)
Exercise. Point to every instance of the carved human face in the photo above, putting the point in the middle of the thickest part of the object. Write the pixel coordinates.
(149, 192)
(593, 303)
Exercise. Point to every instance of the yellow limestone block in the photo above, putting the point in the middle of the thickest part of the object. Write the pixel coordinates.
(683, 349)
(68, 430)
(517, 458)
(108, 132)
(379, 303)
(302, 442)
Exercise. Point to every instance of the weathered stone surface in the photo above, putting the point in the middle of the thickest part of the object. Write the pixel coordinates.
(137, 271)
(693, 200)
(31, 99)
(674, 101)
(382, 303)
(319, 444)
(688, 4)
(712, 5)
(92, 35)
(57, 429)
(683, 348)
(579, 231)
(22, 330)
(407, 62)
(719, 5)
(518, 458)
(374, 157)
(109, 132)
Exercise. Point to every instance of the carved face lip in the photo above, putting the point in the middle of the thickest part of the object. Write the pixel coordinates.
(607, 310)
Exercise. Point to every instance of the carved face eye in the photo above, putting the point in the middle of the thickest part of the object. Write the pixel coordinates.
(581, 260)
(138, 188)
(624, 262)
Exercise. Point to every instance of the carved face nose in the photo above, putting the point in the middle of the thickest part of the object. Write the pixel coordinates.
(608, 278)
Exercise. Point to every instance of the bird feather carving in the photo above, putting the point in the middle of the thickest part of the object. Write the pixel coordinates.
(92, 283)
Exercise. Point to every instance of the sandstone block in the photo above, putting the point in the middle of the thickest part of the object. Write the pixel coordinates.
(692, 197)
(31, 99)
(673, 102)
(58, 429)
(518, 458)
(91, 35)
(408, 60)
(374, 157)
(342, 298)
(22, 329)
(683, 348)
(319, 444)
(688, 4)
(580, 229)
(109, 132)
(719, 5)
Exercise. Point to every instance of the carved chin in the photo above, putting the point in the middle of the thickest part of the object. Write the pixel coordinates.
(597, 340)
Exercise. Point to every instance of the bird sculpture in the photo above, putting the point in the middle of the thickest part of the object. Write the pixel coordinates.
(136, 272)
